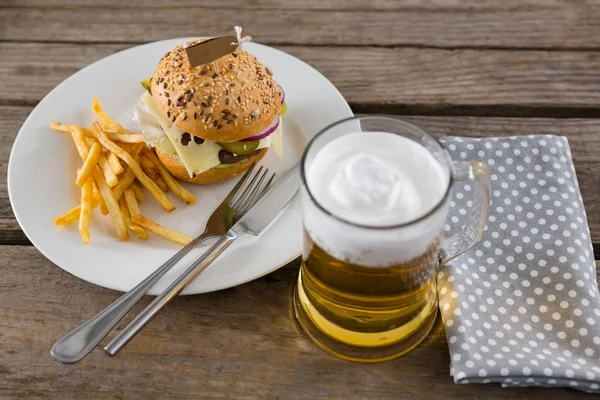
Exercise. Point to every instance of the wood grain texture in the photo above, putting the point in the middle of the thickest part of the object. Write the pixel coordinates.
(574, 25)
(323, 5)
(237, 343)
(583, 135)
(413, 81)
(11, 119)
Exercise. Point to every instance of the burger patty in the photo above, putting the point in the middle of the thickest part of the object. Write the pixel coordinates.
(229, 158)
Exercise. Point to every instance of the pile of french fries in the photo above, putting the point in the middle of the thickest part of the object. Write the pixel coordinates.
(116, 164)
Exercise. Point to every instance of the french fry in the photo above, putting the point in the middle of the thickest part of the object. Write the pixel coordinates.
(139, 231)
(96, 197)
(106, 121)
(115, 164)
(80, 142)
(175, 186)
(125, 137)
(98, 200)
(118, 135)
(69, 217)
(103, 208)
(134, 209)
(126, 180)
(111, 204)
(85, 210)
(121, 131)
(109, 175)
(60, 127)
(139, 194)
(148, 183)
(138, 148)
(88, 166)
(73, 214)
(66, 128)
(160, 230)
(161, 184)
(149, 167)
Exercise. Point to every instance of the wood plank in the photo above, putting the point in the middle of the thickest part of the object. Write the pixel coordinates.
(237, 343)
(11, 119)
(400, 80)
(314, 4)
(582, 133)
(571, 26)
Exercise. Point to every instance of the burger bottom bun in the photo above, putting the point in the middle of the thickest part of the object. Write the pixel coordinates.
(213, 175)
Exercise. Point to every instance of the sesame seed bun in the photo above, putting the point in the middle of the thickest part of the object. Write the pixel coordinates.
(213, 175)
(242, 98)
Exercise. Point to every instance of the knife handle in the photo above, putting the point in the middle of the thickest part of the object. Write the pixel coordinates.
(75, 345)
(138, 323)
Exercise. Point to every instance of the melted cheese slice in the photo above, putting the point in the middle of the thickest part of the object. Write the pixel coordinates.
(196, 158)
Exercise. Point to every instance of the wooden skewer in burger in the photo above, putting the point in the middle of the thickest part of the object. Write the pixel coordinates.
(212, 121)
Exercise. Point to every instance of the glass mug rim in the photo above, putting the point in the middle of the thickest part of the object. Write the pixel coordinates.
(406, 124)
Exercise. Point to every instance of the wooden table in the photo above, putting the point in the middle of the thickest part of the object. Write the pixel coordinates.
(454, 67)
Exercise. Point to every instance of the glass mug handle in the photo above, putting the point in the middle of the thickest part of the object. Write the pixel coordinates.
(479, 173)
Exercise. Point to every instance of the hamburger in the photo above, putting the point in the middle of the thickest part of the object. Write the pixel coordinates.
(210, 123)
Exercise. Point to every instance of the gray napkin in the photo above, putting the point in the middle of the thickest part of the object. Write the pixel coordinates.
(522, 307)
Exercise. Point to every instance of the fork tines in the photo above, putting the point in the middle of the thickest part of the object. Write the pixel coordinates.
(251, 189)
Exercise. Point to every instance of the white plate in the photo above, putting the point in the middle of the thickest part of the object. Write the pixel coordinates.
(41, 174)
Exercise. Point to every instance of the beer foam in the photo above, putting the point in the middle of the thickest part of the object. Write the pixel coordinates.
(375, 179)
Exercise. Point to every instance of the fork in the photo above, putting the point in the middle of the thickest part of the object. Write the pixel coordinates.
(75, 345)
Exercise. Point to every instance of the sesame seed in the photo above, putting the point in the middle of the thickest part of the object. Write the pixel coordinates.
(214, 75)
(227, 101)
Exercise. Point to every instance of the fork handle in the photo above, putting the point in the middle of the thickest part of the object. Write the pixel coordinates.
(138, 323)
(76, 344)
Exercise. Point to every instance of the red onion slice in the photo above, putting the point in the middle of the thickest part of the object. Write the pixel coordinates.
(281, 94)
(265, 132)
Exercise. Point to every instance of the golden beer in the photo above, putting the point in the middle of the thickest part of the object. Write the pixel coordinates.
(365, 307)
(375, 199)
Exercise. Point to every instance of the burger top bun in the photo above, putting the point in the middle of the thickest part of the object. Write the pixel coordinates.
(238, 102)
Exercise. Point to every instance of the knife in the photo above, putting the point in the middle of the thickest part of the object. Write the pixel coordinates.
(255, 221)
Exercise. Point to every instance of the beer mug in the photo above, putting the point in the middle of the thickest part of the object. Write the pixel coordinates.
(375, 199)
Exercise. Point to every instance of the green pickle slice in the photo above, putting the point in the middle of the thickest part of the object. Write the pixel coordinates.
(147, 84)
(242, 148)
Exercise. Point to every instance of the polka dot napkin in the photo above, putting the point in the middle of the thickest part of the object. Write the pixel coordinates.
(522, 308)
